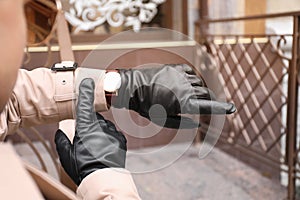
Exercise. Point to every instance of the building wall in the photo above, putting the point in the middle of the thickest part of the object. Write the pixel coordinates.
(226, 9)
(282, 6)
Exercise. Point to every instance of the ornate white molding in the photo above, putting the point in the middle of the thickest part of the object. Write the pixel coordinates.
(88, 14)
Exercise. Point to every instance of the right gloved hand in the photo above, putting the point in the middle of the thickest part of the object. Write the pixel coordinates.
(97, 143)
(175, 87)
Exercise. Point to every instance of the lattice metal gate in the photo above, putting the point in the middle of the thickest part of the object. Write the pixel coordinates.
(262, 80)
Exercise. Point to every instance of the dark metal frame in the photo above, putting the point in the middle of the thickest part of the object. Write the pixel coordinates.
(224, 52)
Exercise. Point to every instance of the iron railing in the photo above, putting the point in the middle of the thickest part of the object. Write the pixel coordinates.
(261, 79)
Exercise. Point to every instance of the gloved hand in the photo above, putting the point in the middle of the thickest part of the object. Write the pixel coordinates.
(96, 145)
(175, 87)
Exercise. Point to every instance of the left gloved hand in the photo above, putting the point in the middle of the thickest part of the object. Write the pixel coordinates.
(97, 143)
(176, 88)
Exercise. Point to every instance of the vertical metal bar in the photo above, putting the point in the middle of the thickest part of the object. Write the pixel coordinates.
(200, 35)
(292, 111)
(203, 11)
(185, 7)
(167, 10)
(203, 25)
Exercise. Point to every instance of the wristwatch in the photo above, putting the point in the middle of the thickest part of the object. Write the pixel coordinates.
(112, 82)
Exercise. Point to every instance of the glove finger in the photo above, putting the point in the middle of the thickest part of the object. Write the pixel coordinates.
(63, 144)
(85, 105)
(190, 75)
(195, 80)
(106, 125)
(210, 107)
(110, 128)
(176, 122)
(187, 69)
(203, 93)
(64, 150)
(66, 157)
(181, 122)
(101, 120)
(193, 75)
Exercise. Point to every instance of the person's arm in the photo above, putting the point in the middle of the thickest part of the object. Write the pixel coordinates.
(42, 96)
(108, 183)
(177, 88)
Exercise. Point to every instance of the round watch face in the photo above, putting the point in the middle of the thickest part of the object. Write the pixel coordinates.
(112, 81)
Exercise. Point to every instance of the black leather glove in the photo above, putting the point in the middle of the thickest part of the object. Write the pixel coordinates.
(97, 144)
(175, 87)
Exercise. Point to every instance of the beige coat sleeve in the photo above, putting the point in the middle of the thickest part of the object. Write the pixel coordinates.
(108, 184)
(42, 96)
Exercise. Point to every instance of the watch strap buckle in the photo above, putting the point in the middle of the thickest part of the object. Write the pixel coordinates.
(64, 66)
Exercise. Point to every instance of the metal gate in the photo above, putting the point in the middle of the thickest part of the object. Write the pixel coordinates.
(262, 79)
